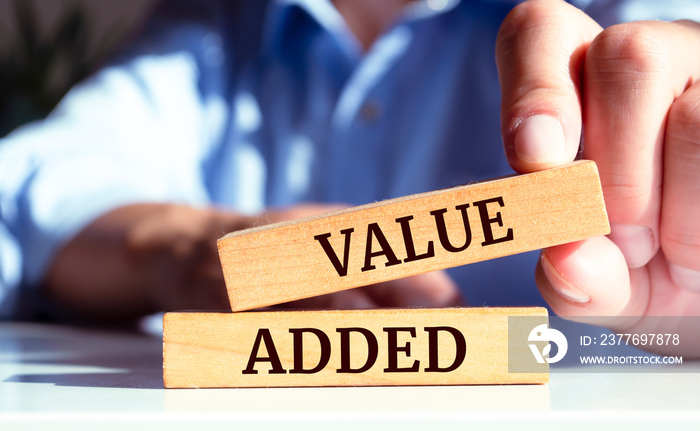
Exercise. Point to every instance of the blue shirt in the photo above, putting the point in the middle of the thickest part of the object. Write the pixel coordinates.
(253, 106)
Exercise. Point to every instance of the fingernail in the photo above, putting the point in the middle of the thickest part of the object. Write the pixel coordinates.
(561, 286)
(686, 278)
(635, 242)
(539, 139)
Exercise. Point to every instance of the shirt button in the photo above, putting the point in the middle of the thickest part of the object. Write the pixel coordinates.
(370, 111)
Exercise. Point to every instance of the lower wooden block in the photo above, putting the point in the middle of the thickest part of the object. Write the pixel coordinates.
(449, 346)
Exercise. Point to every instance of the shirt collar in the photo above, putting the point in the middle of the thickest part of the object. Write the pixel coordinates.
(327, 16)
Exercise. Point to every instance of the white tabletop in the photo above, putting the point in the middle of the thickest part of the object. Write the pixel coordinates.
(60, 377)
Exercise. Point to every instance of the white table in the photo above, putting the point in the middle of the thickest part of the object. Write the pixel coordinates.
(56, 377)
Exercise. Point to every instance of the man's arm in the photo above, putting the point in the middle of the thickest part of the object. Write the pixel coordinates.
(138, 131)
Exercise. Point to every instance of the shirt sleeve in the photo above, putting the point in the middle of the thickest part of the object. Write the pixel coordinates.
(138, 131)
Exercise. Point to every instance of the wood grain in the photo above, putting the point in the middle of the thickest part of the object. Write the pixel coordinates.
(448, 346)
(412, 235)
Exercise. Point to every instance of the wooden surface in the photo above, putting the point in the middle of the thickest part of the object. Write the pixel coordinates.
(412, 235)
(446, 346)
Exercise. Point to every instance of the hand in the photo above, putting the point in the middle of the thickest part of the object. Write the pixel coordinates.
(631, 92)
(143, 258)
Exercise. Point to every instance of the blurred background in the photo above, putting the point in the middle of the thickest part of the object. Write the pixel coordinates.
(46, 46)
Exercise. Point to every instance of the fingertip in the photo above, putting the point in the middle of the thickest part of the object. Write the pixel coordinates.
(585, 278)
(434, 289)
(353, 299)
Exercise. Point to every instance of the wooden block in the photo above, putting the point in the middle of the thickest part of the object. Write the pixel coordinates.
(449, 346)
(412, 235)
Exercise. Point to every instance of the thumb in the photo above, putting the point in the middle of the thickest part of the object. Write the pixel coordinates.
(540, 51)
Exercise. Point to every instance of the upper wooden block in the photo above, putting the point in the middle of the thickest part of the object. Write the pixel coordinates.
(411, 235)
